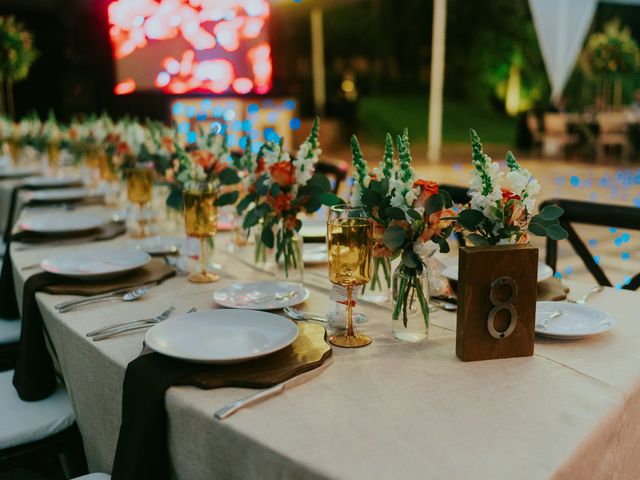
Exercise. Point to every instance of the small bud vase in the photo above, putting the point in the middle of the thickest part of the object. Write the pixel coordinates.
(410, 295)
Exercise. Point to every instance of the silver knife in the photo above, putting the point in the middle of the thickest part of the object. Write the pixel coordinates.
(254, 398)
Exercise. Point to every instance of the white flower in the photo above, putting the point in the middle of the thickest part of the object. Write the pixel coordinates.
(356, 191)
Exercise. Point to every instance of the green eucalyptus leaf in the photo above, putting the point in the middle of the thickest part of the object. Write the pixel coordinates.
(312, 204)
(556, 232)
(478, 240)
(395, 213)
(310, 190)
(414, 214)
(470, 219)
(227, 198)
(275, 190)
(537, 229)
(228, 176)
(267, 237)
(251, 219)
(371, 198)
(448, 201)
(394, 237)
(410, 259)
(330, 199)
(321, 181)
(550, 212)
(245, 202)
(435, 203)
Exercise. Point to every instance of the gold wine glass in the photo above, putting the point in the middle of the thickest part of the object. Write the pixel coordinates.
(139, 189)
(201, 221)
(349, 233)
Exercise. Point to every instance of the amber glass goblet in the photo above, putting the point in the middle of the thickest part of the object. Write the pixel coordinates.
(349, 233)
(139, 189)
(201, 221)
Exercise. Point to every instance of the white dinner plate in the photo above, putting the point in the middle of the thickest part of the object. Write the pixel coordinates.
(576, 321)
(315, 254)
(18, 172)
(95, 263)
(61, 194)
(451, 271)
(221, 336)
(160, 245)
(61, 222)
(313, 227)
(260, 295)
(51, 182)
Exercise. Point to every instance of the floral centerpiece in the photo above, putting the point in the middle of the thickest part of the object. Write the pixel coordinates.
(278, 189)
(502, 203)
(407, 214)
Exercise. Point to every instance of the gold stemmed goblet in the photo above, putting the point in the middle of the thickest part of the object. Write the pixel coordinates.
(349, 233)
(201, 221)
(139, 189)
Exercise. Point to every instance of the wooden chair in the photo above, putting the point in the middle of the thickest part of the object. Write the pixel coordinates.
(336, 170)
(32, 430)
(589, 213)
(614, 134)
(556, 137)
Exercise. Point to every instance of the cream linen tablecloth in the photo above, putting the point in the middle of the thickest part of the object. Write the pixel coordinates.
(391, 410)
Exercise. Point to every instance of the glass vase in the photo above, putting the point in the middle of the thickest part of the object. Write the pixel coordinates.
(264, 257)
(410, 313)
(378, 290)
(290, 265)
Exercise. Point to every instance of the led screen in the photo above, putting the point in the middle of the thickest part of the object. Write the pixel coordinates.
(191, 46)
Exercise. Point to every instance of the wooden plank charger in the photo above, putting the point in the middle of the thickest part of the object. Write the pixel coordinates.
(307, 352)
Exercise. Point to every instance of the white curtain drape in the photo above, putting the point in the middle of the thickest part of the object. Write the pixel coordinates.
(561, 26)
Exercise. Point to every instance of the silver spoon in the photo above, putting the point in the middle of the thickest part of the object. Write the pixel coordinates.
(583, 299)
(545, 323)
(446, 306)
(296, 314)
(128, 296)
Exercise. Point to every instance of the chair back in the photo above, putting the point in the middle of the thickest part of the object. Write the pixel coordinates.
(335, 169)
(555, 122)
(597, 214)
(613, 122)
(458, 194)
(533, 124)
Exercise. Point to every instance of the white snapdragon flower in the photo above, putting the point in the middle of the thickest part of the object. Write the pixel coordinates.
(356, 191)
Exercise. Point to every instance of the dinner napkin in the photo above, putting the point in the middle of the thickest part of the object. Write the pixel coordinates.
(8, 301)
(142, 452)
(552, 290)
(34, 377)
(14, 201)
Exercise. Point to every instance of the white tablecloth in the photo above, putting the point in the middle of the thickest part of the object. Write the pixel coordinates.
(390, 410)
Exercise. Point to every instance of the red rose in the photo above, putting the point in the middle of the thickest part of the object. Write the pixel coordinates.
(282, 173)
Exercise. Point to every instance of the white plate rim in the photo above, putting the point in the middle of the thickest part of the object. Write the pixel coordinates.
(45, 263)
(547, 271)
(150, 341)
(290, 303)
(570, 336)
(63, 194)
(99, 221)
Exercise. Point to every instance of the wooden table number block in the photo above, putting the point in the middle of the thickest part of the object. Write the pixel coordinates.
(496, 302)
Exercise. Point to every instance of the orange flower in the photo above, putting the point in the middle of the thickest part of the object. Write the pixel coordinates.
(167, 144)
(280, 203)
(282, 173)
(509, 195)
(427, 188)
(518, 215)
(435, 223)
(204, 158)
(122, 148)
(291, 223)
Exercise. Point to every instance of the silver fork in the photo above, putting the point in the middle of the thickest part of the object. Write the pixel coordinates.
(160, 317)
(131, 328)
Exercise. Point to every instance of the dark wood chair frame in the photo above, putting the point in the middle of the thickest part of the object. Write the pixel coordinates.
(590, 213)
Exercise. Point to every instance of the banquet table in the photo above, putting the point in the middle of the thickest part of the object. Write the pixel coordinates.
(390, 410)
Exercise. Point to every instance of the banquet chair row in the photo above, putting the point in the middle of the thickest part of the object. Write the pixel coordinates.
(597, 214)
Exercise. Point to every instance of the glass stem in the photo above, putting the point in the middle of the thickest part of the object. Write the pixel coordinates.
(350, 312)
(203, 256)
(141, 221)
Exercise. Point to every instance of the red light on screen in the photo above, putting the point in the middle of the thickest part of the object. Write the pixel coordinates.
(181, 46)
(125, 87)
